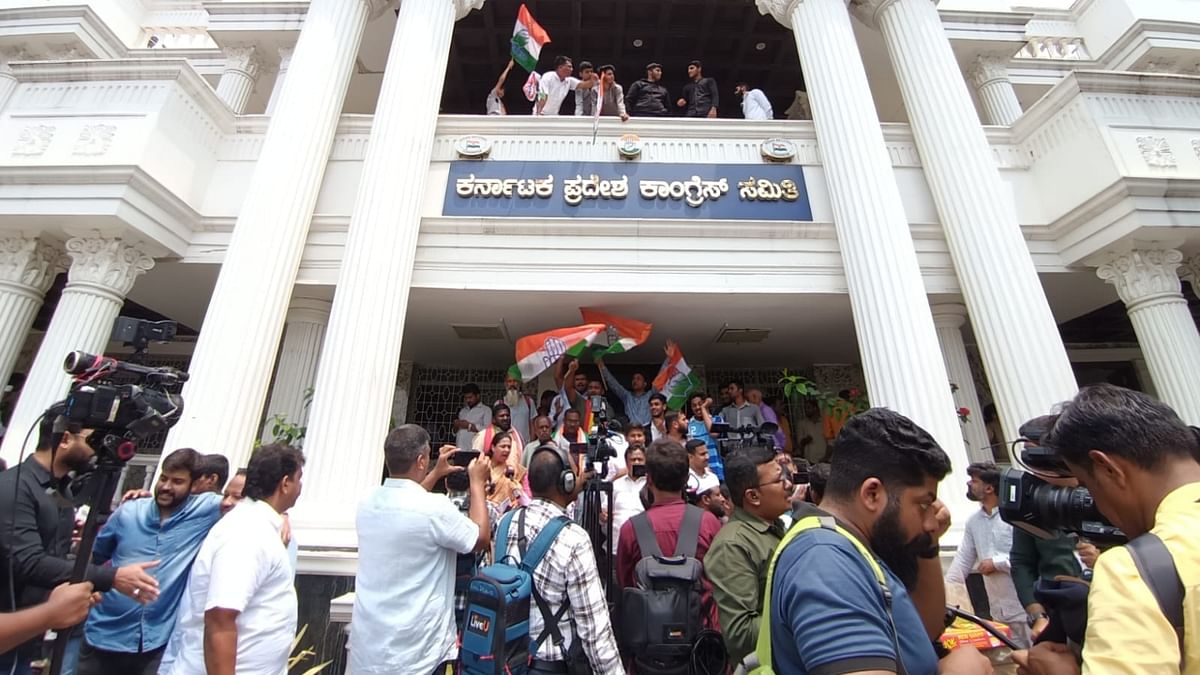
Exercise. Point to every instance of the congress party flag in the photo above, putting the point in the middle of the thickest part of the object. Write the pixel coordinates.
(536, 353)
(622, 334)
(527, 40)
(676, 379)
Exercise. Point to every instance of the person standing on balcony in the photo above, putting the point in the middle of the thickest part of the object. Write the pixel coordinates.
(586, 99)
(613, 104)
(700, 96)
(648, 97)
(554, 85)
(495, 99)
(755, 105)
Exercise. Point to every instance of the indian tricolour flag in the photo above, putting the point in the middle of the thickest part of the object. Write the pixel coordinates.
(527, 40)
(676, 379)
(536, 353)
(620, 334)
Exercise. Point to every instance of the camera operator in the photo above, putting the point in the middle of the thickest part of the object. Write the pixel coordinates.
(1033, 558)
(409, 539)
(37, 525)
(1140, 463)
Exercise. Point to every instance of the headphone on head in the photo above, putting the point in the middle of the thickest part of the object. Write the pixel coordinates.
(566, 477)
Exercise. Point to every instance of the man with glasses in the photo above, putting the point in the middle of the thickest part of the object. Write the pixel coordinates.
(738, 558)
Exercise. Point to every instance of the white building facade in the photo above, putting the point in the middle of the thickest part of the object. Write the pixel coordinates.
(277, 176)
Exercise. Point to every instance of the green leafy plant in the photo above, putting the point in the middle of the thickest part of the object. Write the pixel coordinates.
(287, 432)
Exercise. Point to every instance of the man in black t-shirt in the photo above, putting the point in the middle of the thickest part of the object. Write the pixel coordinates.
(700, 97)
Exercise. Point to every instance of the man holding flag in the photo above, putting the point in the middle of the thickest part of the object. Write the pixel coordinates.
(612, 95)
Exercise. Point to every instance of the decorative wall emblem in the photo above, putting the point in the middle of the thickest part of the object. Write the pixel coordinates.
(778, 150)
(95, 140)
(473, 147)
(33, 140)
(1156, 152)
(629, 146)
(1196, 147)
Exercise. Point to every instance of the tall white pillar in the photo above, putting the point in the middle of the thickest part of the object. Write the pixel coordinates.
(232, 364)
(352, 402)
(285, 64)
(989, 75)
(949, 318)
(242, 66)
(1147, 283)
(896, 337)
(27, 269)
(296, 369)
(102, 272)
(1027, 367)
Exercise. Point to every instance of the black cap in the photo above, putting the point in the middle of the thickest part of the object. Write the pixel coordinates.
(695, 63)
(652, 65)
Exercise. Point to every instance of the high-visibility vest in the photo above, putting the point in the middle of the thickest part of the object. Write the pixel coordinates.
(761, 664)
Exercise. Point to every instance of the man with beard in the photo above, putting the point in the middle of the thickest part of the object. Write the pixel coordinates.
(828, 611)
(37, 532)
(572, 397)
(658, 412)
(636, 398)
(122, 635)
(570, 431)
(676, 425)
(985, 547)
(501, 424)
(648, 97)
(520, 404)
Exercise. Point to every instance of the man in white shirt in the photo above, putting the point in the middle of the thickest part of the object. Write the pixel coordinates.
(986, 543)
(555, 84)
(755, 105)
(472, 418)
(239, 610)
(627, 490)
(408, 543)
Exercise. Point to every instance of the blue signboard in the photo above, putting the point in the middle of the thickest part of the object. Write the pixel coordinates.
(626, 190)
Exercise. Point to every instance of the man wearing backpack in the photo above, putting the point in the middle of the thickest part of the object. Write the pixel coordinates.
(1140, 462)
(678, 530)
(566, 583)
(857, 586)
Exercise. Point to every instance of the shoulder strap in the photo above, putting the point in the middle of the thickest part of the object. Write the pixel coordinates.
(647, 542)
(500, 544)
(763, 646)
(689, 532)
(541, 543)
(1156, 565)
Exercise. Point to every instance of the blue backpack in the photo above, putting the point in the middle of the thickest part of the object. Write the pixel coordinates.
(495, 631)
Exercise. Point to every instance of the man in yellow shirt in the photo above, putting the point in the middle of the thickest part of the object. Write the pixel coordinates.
(1140, 462)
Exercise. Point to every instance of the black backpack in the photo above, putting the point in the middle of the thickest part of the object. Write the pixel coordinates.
(661, 618)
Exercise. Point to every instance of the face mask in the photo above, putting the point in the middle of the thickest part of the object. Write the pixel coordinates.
(637, 471)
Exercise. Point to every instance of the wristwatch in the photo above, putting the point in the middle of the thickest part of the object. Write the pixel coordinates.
(1034, 618)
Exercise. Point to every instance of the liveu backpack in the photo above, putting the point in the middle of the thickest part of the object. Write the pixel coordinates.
(495, 628)
(661, 616)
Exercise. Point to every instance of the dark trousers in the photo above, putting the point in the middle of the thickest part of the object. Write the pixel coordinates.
(93, 661)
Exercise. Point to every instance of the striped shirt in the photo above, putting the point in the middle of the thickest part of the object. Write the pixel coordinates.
(568, 574)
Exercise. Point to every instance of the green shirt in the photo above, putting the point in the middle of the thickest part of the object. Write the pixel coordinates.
(1033, 558)
(736, 564)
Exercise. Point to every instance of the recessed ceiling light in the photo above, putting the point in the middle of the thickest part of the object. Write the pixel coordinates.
(760, 46)
(638, 42)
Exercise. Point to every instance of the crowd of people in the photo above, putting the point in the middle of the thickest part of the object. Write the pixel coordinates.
(647, 97)
(833, 570)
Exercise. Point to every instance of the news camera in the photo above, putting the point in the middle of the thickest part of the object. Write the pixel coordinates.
(731, 438)
(1042, 509)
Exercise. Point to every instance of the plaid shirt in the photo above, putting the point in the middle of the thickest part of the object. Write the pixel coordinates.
(568, 573)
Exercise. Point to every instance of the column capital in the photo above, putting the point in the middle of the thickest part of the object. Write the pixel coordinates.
(243, 58)
(106, 263)
(1143, 274)
(30, 262)
(987, 68)
(309, 310)
(1189, 270)
(868, 11)
(781, 10)
(949, 314)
